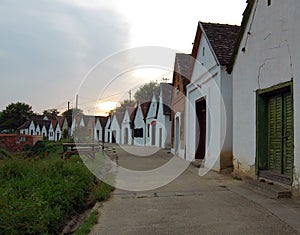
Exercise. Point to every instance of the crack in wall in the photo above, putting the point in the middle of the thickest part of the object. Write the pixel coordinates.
(261, 68)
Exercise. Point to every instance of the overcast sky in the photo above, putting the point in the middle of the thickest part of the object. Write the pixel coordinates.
(47, 47)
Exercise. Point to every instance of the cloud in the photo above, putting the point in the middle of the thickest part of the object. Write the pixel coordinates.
(47, 46)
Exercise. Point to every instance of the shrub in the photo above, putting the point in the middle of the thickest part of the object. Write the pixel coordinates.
(37, 197)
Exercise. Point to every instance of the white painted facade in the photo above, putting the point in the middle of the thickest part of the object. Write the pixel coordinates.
(38, 130)
(107, 131)
(151, 120)
(163, 126)
(51, 132)
(44, 131)
(139, 123)
(57, 133)
(98, 130)
(211, 83)
(115, 130)
(271, 56)
(31, 129)
(126, 132)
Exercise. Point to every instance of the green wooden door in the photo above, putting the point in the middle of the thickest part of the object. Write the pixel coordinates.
(280, 140)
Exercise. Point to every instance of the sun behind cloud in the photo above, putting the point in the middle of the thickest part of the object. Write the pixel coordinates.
(103, 108)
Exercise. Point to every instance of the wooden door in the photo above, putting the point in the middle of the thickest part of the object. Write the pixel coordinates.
(200, 129)
(280, 128)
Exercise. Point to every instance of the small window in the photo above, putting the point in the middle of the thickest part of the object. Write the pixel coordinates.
(203, 51)
(269, 2)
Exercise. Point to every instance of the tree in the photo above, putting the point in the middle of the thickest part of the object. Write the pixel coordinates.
(14, 115)
(70, 112)
(145, 92)
(51, 112)
(124, 105)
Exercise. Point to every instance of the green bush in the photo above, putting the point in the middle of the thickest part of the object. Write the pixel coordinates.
(102, 192)
(37, 197)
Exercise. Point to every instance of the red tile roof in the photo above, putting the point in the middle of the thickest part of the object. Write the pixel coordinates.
(223, 38)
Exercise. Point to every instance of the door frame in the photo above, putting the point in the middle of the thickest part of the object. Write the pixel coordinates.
(261, 160)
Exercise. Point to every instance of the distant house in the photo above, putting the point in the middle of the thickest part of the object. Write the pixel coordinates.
(164, 112)
(24, 128)
(266, 93)
(115, 127)
(31, 128)
(139, 132)
(51, 131)
(180, 81)
(208, 131)
(151, 120)
(127, 126)
(107, 130)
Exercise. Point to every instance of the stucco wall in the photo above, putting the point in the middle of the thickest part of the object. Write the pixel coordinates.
(271, 57)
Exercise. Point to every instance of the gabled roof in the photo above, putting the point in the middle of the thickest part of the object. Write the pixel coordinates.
(25, 125)
(166, 92)
(103, 121)
(119, 116)
(182, 69)
(246, 16)
(145, 107)
(61, 120)
(222, 38)
(54, 124)
(131, 111)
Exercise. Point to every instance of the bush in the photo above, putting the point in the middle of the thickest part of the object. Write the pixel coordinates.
(37, 197)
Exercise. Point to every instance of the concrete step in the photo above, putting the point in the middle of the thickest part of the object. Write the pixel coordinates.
(269, 188)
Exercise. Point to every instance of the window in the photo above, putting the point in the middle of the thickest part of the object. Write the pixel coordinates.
(22, 139)
(203, 51)
(138, 133)
(31, 132)
(269, 2)
(148, 130)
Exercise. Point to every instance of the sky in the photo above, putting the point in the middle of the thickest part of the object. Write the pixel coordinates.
(51, 50)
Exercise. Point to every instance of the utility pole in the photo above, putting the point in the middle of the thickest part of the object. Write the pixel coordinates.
(76, 102)
(129, 96)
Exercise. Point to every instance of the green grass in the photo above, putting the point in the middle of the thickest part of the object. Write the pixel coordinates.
(39, 193)
(89, 222)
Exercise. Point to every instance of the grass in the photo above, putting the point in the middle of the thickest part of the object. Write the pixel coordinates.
(39, 192)
(87, 225)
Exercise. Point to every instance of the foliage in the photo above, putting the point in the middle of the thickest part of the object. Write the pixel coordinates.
(37, 197)
(35, 152)
(4, 154)
(14, 115)
(102, 192)
(145, 93)
(65, 134)
(51, 112)
(124, 105)
(70, 112)
(90, 221)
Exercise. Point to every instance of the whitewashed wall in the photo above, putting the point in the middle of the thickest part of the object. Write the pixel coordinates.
(163, 127)
(209, 82)
(126, 125)
(271, 57)
(151, 117)
(139, 123)
(115, 128)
